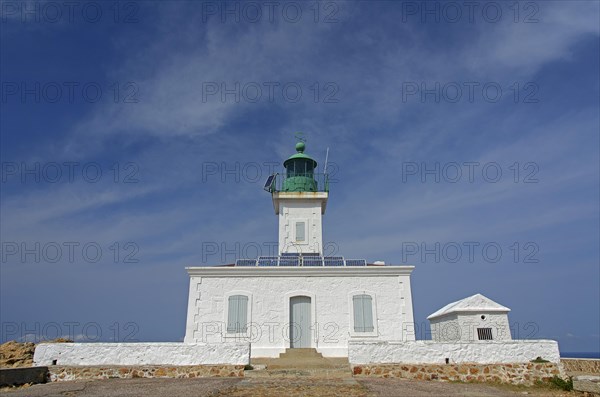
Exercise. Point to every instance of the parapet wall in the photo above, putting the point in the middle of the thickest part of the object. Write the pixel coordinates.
(111, 354)
(431, 352)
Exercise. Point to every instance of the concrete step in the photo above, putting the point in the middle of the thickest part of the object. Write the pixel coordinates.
(301, 353)
(328, 373)
(305, 364)
(302, 360)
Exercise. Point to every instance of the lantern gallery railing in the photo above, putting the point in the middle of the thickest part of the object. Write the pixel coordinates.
(293, 182)
(297, 260)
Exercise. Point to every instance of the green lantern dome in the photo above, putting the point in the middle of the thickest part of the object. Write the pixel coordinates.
(300, 171)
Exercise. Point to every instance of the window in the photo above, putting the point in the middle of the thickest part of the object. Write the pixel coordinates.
(363, 313)
(300, 231)
(484, 333)
(237, 318)
(299, 167)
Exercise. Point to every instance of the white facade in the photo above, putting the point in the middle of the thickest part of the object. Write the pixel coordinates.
(472, 319)
(331, 319)
(300, 221)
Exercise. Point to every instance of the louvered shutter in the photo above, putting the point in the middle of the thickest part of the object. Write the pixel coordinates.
(363, 313)
(237, 318)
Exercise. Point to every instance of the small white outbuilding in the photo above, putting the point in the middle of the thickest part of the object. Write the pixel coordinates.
(476, 318)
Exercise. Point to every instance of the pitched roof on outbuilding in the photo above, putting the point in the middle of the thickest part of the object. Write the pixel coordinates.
(475, 303)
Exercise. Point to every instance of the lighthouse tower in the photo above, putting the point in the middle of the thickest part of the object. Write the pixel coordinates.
(299, 199)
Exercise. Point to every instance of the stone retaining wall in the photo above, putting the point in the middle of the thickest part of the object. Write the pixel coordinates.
(62, 373)
(520, 373)
(585, 365)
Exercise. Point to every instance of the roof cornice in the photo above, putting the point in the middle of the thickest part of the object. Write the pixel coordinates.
(299, 271)
(470, 311)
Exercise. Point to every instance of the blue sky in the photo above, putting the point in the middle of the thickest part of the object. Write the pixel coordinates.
(129, 152)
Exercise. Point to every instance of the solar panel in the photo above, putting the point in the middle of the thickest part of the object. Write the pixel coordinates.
(294, 259)
(312, 261)
(245, 262)
(268, 260)
(334, 261)
(269, 183)
(356, 262)
(289, 261)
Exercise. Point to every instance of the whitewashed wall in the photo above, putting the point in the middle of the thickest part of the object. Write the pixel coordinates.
(431, 352)
(270, 290)
(292, 211)
(462, 327)
(141, 354)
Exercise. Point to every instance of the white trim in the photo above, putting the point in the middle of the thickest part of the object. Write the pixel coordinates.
(342, 271)
(470, 311)
(280, 197)
(237, 335)
(351, 331)
(193, 296)
(313, 315)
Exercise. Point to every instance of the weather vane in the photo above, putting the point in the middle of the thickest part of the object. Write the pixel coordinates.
(300, 136)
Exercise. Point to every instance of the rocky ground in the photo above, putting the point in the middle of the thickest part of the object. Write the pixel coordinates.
(14, 354)
(286, 387)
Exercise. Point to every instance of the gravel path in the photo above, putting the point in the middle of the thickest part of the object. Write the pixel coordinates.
(261, 387)
(199, 387)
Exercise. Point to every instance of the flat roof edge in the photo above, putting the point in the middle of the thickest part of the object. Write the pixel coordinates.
(283, 271)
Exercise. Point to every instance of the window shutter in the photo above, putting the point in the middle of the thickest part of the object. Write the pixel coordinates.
(368, 313)
(358, 314)
(242, 313)
(237, 318)
(363, 313)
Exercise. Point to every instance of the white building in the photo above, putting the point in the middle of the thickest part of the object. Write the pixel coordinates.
(299, 299)
(470, 319)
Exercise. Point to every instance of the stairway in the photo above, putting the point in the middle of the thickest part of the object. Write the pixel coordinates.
(300, 362)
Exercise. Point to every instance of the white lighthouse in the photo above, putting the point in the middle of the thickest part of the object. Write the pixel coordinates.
(299, 298)
(299, 199)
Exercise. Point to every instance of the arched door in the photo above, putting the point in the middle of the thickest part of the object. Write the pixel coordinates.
(300, 321)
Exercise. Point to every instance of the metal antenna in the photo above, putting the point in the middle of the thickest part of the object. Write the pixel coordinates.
(326, 158)
(299, 136)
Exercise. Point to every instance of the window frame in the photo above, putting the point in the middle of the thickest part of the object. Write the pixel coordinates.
(361, 334)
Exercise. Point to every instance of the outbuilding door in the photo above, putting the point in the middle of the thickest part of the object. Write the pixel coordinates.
(300, 321)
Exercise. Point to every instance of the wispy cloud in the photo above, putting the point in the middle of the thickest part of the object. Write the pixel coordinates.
(369, 56)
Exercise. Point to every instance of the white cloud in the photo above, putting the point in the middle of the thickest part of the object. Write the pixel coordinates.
(523, 48)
